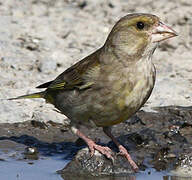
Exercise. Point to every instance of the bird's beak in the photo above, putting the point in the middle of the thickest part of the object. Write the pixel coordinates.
(162, 32)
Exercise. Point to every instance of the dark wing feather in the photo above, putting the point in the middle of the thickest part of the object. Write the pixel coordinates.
(74, 77)
(45, 85)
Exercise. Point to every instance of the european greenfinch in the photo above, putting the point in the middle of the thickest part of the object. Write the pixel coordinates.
(110, 85)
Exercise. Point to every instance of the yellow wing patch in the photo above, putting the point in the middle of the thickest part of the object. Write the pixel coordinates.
(58, 86)
(85, 86)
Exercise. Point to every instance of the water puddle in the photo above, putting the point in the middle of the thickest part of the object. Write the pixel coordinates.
(14, 167)
(43, 169)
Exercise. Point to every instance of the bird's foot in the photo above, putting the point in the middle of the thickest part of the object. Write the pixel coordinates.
(124, 152)
(92, 145)
(102, 149)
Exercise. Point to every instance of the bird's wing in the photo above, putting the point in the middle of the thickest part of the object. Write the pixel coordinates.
(81, 75)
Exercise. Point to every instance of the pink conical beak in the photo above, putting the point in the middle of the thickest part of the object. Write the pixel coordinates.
(162, 32)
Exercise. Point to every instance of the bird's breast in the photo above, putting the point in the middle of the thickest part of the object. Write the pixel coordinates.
(135, 91)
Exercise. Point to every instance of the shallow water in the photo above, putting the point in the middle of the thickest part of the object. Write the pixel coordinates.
(45, 168)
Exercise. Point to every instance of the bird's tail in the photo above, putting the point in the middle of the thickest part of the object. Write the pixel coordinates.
(29, 96)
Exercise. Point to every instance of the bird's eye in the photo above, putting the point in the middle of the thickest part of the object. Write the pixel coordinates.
(140, 25)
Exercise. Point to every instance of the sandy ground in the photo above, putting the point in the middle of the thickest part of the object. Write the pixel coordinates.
(41, 38)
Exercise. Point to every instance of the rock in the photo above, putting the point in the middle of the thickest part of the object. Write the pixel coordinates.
(31, 153)
(98, 165)
(184, 166)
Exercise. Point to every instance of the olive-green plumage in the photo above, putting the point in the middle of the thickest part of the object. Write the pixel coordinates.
(110, 85)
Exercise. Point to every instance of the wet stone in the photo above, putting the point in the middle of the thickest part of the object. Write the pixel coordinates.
(31, 153)
(97, 165)
(184, 165)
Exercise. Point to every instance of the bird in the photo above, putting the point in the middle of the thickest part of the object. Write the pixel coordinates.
(111, 84)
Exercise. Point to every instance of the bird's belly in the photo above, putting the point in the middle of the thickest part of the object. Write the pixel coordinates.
(102, 107)
(125, 104)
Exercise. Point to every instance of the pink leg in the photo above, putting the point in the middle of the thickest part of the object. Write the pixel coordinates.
(122, 150)
(92, 145)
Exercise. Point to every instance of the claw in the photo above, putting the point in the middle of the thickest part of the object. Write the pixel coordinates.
(123, 152)
(102, 149)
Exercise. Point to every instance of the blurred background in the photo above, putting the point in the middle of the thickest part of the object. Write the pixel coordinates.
(39, 39)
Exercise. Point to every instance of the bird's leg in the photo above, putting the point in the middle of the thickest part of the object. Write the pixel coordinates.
(92, 145)
(122, 150)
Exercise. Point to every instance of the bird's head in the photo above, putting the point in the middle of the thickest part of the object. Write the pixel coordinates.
(137, 33)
